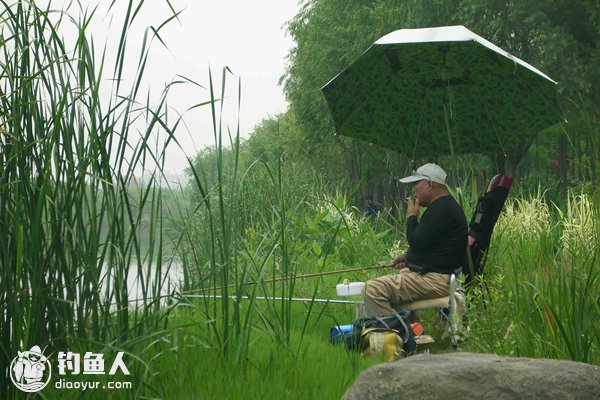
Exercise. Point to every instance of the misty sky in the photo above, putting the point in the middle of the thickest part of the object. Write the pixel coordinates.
(246, 36)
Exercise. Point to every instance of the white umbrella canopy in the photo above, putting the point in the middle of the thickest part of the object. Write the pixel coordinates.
(438, 91)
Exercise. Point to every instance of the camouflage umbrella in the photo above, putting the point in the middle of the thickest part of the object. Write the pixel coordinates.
(440, 91)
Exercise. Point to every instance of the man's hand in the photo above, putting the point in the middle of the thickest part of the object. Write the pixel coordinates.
(413, 207)
(399, 262)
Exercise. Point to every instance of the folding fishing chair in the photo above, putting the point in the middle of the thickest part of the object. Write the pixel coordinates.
(481, 226)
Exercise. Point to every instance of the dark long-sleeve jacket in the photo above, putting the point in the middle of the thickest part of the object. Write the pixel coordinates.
(438, 241)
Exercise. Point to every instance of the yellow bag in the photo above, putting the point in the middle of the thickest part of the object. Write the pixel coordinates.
(383, 343)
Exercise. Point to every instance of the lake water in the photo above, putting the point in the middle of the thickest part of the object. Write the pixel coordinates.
(170, 278)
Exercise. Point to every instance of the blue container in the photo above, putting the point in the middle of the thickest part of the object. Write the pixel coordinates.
(340, 333)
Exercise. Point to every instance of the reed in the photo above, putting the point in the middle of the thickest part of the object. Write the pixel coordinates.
(238, 245)
(543, 281)
(73, 220)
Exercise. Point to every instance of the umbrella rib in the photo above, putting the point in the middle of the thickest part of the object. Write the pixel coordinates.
(534, 89)
(487, 110)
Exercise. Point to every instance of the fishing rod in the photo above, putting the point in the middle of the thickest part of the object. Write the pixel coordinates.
(187, 293)
(282, 278)
(300, 299)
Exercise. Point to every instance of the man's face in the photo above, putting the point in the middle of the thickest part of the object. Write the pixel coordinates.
(422, 191)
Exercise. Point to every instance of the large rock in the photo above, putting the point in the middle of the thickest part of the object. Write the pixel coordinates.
(477, 376)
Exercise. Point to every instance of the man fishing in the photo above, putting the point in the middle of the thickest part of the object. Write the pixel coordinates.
(437, 247)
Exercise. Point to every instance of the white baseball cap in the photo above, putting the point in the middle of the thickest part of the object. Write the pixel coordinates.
(431, 172)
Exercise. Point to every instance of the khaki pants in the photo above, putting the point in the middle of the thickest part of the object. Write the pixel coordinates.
(385, 295)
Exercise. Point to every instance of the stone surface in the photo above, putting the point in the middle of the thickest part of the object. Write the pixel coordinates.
(477, 376)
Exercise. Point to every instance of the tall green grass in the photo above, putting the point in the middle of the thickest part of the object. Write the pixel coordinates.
(543, 281)
(256, 229)
(73, 221)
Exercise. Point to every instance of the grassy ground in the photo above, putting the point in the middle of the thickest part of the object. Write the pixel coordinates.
(184, 363)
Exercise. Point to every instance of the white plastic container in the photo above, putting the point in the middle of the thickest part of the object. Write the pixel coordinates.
(350, 289)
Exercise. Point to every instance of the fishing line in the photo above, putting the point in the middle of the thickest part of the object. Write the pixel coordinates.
(187, 293)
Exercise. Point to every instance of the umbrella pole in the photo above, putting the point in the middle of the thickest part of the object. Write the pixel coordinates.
(447, 121)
